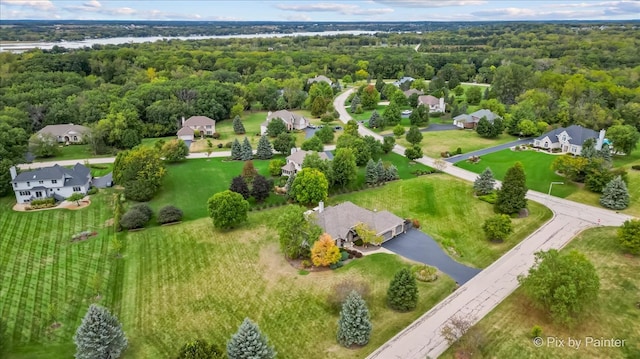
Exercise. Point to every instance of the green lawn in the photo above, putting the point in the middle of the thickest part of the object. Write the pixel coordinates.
(537, 166)
(448, 211)
(73, 152)
(47, 279)
(366, 115)
(615, 315)
(189, 184)
(435, 142)
(191, 281)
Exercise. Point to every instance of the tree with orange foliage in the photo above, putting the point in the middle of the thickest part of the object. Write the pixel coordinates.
(324, 251)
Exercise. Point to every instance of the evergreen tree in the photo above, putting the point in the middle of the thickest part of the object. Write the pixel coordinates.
(249, 171)
(615, 194)
(485, 183)
(239, 185)
(236, 150)
(289, 185)
(100, 335)
(403, 291)
(511, 197)
(249, 343)
(264, 150)
(238, 127)
(261, 188)
(589, 148)
(605, 153)
(354, 327)
(247, 150)
(371, 173)
(380, 171)
(388, 143)
(375, 121)
(391, 173)
(355, 101)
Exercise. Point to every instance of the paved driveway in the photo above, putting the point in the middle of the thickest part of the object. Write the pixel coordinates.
(485, 151)
(420, 247)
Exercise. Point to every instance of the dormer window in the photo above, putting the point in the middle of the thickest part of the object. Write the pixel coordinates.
(563, 138)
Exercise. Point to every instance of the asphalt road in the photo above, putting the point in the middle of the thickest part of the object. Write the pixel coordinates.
(464, 156)
(485, 291)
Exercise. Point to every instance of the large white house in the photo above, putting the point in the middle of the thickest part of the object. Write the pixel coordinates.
(291, 120)
(570, 139)
(55, 181)
(295, 160)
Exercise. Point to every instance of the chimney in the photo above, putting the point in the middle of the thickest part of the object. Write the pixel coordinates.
(182, 121)
(321, 207)
(442, 104)
(13, 171)
(600, 141)
(293, 150)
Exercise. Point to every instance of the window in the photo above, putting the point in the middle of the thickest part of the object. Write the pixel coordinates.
(75, 138)
(54, 181)
(40, 182)
(25, 193)
(28, 184)
(15, 184)
(38, 194)
(77, 189)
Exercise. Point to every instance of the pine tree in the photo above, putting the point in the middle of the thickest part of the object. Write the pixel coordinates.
(380, 170)
(239, 185)
(371, 173)
(261, 188)
(264, 150)
(247, 150)
(485, 183)
(511, 197)
(605, 153)
(354, 327)
(355, 101)
(236, 150)
(288, 186)
(403, 291)
(375, 120)
(238, 127)
(414, 136)
(615, 194)
(391, 173)
(249, 343)
(100, 335)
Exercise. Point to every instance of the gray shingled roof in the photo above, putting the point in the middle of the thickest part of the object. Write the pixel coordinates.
(286, 116)
(410, 92)
(320, 78)
(577, 134)
(476, 116)
(338, 220)
(429, 100)
(77, 175)
(299, 155)
(185, 131)
(62, 130)
(199, 121)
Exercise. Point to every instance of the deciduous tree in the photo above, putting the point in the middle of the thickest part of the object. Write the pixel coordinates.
(43, 145)
(354, 326)
(175, 150)
(324, 251)
(284, 143)
(239, 185)
(260, 188)
(562, 284)
(325, 134)
(414, 136)
(388, 143)
(402, 294)
(419, 116)
(413, 152)
(199, 349)
(624, 137)
(369, 97)
(344, 168)
(392, 115)
(100, 335)
(227, 209)
(629, 236)
(312, 144)
(249, 343)
(140, 170)
(498, 227)
(310, 186)
(296, 233)
(275, 127)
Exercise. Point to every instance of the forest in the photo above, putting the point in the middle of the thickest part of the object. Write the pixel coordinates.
(547, 73)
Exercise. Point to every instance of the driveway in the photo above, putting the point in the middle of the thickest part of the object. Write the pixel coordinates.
(309, 132)
(104, 181)
(420, 247)
(440, 127)
(464, 156)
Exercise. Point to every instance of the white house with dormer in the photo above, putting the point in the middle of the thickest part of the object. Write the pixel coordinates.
(291, 120)
(569, 140)
(55, 181)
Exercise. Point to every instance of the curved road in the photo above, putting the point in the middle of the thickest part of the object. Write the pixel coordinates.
(485, 291)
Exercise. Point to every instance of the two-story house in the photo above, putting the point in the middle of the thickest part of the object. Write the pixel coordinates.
(295, 159)
(204, 124)
(570, 139)
(433, 103)
(55, 181)
(291, 120)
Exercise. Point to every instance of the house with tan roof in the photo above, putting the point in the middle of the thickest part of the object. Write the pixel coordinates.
(340, 221)
(320, 78)
(291, 120)
(471, 120)
(204, 124)
(295, 160)
(68, 133)
(433, 103)
(410, 92)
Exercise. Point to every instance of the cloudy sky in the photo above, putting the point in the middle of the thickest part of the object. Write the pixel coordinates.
(304, 10)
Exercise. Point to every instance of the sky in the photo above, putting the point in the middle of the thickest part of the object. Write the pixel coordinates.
(305, 10)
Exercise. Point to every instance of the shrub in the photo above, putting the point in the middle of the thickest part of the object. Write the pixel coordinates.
(133, 219)
(199, 349)
(306, 263)
(424, 273)
(139, 191)
(445, 154)
(536, 331)
(43, 203)
(215, 135)
(220, 145)
(344, 256)
(636, 167)
(145, 209)
(415, 222)
(489, 198)
(169, 214)
(358, 254)
(92, 190)
(228, 145)
(358, 242)
(459, 151)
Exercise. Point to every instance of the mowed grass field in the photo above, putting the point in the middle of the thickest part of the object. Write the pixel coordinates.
(449, 212)
(435, 142)
(191, 281)
(614, 315)
(537, 167)
(47, 279)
